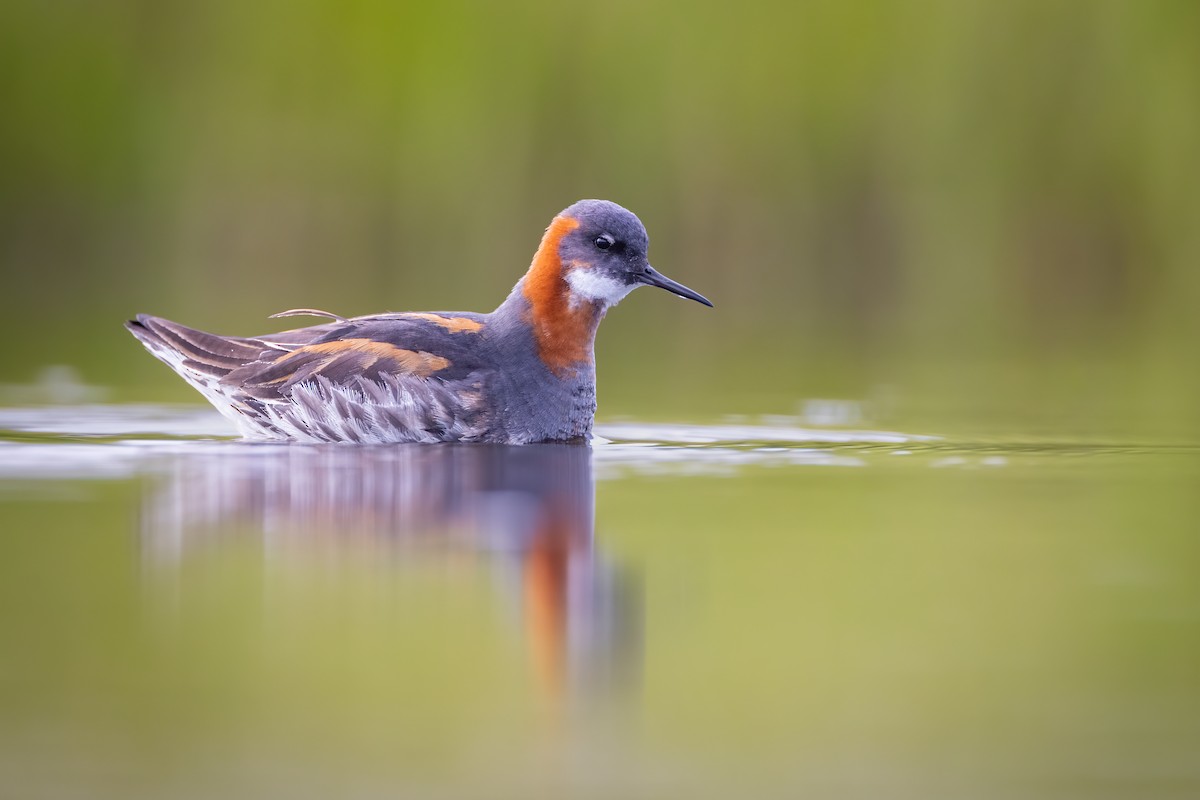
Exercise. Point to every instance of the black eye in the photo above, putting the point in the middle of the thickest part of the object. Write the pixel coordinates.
(603, 242)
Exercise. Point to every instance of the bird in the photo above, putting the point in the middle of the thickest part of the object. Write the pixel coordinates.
(524, 373)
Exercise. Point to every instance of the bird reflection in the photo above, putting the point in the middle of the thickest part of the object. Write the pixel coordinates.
(527, 511)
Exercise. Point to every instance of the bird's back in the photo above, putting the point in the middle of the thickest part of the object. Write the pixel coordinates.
(383, 378)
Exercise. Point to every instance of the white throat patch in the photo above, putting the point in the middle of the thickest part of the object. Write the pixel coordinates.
(592, 286)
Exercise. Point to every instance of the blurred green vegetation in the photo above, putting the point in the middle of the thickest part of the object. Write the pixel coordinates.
(985, 211)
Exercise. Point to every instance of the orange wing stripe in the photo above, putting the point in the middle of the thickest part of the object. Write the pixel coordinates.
(414, 362)
(452, 324)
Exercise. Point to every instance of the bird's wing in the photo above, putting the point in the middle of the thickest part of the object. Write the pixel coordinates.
(423, 346)
(416, 345)
(391, 377)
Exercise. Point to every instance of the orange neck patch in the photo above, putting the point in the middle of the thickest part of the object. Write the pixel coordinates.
(564, 334)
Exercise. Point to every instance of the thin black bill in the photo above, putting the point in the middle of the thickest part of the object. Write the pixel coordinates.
(655, 278)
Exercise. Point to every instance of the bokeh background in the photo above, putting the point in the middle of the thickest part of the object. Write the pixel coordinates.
(966, 214)
(976, 219)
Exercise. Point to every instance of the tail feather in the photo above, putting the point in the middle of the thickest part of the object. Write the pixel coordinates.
(209, 349)
(202, 359)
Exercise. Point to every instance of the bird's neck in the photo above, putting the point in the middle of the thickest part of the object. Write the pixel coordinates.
(564, 326)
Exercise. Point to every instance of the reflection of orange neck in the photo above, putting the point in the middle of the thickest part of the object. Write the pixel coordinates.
(546, 565)
(564, 333)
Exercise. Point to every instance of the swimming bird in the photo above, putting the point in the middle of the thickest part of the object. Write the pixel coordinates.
(523, 373)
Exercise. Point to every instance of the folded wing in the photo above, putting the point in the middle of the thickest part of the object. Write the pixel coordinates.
(388, 378)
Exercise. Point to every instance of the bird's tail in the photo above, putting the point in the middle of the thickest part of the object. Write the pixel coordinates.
(194, 354)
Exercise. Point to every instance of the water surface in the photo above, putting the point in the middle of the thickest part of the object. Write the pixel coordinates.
(752, 608)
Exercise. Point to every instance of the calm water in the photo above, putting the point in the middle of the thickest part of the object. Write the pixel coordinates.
(751, 609)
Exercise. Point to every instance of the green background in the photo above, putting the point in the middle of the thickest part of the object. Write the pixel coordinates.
(971, 214)
(972, 219)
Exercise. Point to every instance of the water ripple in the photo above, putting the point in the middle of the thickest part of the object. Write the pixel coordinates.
(121, 441)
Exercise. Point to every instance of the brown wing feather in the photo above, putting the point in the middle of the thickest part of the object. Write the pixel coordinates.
(337, 361)
(268, 367)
